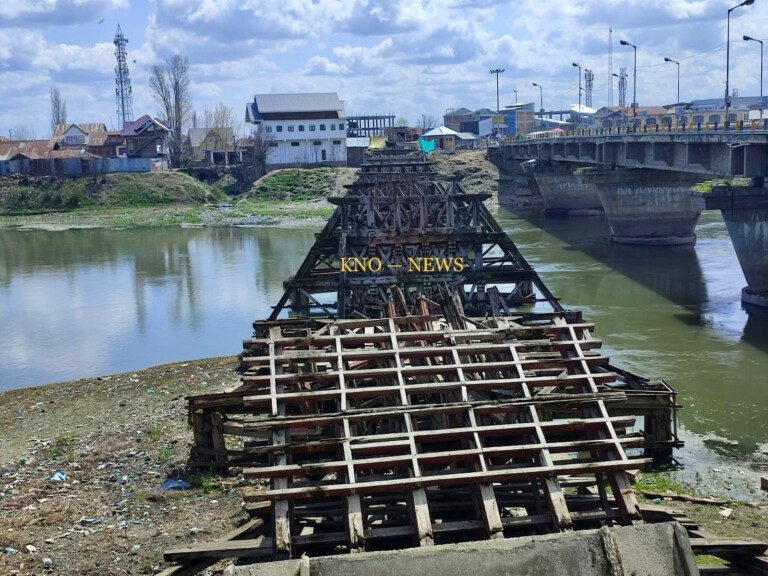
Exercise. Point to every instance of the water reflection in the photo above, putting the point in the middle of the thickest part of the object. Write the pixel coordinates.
(672, 312)
(88, 302)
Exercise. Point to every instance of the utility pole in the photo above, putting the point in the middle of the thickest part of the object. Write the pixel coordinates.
(497, 71)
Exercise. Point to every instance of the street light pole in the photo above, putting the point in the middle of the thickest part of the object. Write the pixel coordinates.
(497, 71)
(622, 108)
(541, 96)
(515, 91)
(748, 38)
(634, 79)
(678, 76)
(579, 111)
(728, 57)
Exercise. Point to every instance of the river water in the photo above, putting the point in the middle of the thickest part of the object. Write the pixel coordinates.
(93, 302)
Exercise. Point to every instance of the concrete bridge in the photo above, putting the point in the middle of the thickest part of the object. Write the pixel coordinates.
(642, 182)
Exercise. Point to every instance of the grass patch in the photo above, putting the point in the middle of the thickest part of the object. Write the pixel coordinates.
(295, 184)
(660, 482)
(202, 479)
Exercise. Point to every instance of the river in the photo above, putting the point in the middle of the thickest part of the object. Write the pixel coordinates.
(93, 302)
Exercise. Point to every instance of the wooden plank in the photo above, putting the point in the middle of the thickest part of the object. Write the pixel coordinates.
(190, 569)
(215, 550)
(728, 546)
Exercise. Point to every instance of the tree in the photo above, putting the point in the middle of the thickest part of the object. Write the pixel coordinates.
(401, 122)
(219, 120)
(261, 142)
(58, 108)
(428, 122)
(22, 133)
(169, 83)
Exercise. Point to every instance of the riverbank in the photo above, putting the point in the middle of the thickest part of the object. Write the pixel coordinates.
(83, 464)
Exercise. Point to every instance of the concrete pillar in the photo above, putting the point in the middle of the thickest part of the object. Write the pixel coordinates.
(517, 188)
(749, 233)
(563, 193)
(648, 207)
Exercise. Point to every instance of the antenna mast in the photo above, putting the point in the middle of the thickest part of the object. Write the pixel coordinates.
(122, 81)
(589, 78)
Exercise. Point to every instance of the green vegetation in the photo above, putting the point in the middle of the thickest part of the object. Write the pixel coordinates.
(295, 184)
(28, 196)
(728, 183)
(202, 480)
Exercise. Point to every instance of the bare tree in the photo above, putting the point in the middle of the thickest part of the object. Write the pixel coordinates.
(222, 122)
(169, 83)
(262, 148)
(22, 133)
(58, 108)
(428, 122)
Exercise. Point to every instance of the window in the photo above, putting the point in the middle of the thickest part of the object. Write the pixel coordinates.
(698, 119)
(316, 143)
(301, 127)
(650, 121)
(158, 146)
(295, 143)
(290, 128)
(666, 120)
(322, 127)
(341, 126)
(337, 142)
(279, 128)
(731, 117)
(714, 118)
(311, 127)
(273, 144)
(268, 129)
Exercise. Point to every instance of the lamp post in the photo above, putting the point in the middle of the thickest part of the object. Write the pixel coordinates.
(579, 111)
(634, 77)
(515, 91)
(748, 38)
(497, 71)
(541, 96)
(678, 76)
(728, 57)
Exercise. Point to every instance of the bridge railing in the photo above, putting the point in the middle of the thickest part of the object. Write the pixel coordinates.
(689, 127)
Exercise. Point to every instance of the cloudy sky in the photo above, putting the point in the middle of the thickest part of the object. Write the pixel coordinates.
(404, 57)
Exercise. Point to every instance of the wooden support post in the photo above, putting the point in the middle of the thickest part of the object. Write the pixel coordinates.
(217, 439)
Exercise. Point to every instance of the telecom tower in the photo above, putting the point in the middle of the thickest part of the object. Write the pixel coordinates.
(122, 81)
(622, 92)
(589, 78)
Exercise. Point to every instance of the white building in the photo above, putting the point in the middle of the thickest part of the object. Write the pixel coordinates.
(302, 128)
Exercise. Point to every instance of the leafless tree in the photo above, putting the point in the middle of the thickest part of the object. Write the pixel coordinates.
(262, 148)
(58, 108)
(22, 133)
(169, 83)
(220, 120)
(428, 122)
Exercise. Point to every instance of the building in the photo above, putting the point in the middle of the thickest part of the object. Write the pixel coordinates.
(303, 129)
(146, 137)
(70, 136)
(443, 137)
(211, 145)
(479, 122)
(361, 125)
(356, 148)
(403, 134)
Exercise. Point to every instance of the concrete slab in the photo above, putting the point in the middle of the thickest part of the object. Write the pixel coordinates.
(645, 550)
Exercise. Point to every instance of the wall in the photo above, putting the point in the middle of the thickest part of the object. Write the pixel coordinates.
(63, 167)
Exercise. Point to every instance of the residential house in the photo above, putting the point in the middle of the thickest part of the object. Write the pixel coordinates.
(302, 129)
(146, 137)
(212, 145)
(71, 136)
(444, 138)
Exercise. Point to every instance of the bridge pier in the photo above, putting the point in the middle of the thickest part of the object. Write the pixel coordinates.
(517, 187)
(745, 212)
(562, 192)
(648, 207)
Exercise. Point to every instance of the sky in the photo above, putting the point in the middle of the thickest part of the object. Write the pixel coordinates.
(409, 58)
